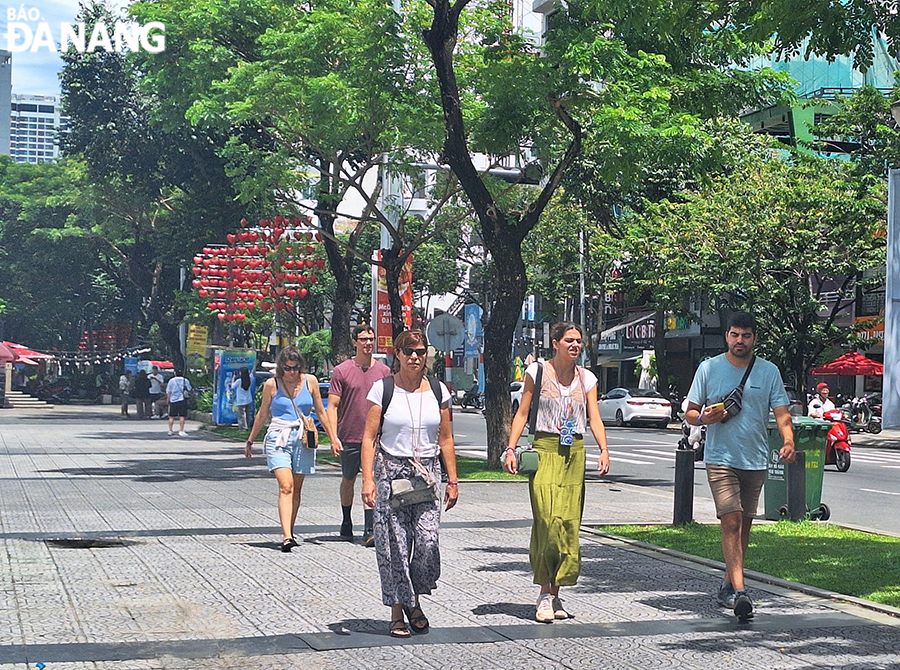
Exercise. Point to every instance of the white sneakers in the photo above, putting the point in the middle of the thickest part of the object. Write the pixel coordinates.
(550, 608)
(559, 611)
(182, 434)
(544, 612)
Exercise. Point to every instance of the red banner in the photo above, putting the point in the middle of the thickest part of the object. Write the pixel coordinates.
(384, 334)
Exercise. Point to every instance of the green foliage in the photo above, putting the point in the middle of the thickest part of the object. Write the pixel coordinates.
(316, 348)
(864, 119)
(770, 238)
(829, 557)
(50, 258)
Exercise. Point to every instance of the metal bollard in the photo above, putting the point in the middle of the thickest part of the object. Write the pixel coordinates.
(684, 487)
(796, 488)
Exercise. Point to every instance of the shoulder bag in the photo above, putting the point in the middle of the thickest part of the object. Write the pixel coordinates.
(421, 488)
(734, 399)
(527, 459)
(309, 434)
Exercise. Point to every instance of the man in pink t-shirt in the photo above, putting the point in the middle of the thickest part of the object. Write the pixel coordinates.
(347, 408)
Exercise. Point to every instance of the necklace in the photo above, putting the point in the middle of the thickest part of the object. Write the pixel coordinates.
(416, 429)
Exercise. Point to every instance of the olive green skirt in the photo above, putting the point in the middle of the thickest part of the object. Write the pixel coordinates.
(557, 505)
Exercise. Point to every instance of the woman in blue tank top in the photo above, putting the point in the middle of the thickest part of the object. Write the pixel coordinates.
(286, 397)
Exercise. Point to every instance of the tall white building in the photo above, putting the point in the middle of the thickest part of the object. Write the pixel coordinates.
(35, 127)
(5, 99)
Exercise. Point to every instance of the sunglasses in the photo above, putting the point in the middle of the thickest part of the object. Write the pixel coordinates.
(409, 351)
(291, 368)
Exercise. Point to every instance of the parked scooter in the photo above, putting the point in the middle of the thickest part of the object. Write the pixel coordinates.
(859, 416)
(472, 398)
(837, 442)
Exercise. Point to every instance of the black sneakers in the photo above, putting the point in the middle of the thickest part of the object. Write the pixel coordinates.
(347, 531)
(743, 606)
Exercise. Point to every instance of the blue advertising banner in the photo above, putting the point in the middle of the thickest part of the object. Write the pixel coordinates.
(228, 364)
(473, 341)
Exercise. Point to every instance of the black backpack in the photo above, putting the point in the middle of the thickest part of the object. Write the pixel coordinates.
(386, 401)
(389, 393)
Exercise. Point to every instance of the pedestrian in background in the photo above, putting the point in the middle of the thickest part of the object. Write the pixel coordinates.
(415, 432)
(176, 395)
(243, 398)
(351, 382)
(737, 446)
(567, 398)
(142, 394)
(156, 391)
(287, 396)
(126, 385)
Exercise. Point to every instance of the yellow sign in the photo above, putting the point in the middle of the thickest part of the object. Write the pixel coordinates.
(196, 343)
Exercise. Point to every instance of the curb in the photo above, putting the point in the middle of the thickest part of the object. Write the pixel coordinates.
(756, 576)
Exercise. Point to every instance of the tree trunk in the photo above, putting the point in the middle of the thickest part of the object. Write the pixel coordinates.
(502, 234)
(341, 267)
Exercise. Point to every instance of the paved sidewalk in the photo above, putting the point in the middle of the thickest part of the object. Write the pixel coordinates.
(177, 567)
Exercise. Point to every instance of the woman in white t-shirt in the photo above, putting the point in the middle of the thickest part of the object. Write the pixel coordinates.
(567, 399)
(415, 434)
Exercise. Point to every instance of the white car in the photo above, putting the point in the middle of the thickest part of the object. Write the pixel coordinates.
(622, 406)
(515, 394)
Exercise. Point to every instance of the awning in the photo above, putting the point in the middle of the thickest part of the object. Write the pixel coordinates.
(20, 350)
(607, 334)
(7, 355)
(615, 359)
(24, 360)
(162, 365)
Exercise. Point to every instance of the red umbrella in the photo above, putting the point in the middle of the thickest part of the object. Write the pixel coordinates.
(7, 355)
(852, 363)
(21, 350)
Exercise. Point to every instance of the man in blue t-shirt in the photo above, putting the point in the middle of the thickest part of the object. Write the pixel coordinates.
(737, 447)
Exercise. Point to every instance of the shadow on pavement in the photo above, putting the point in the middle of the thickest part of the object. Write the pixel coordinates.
(174, 469)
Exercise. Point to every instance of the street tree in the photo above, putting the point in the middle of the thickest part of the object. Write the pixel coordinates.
(339, 96)
(158, 188)
(56, 279)
(789, 240)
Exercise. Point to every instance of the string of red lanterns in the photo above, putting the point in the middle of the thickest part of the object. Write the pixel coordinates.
(262, 267)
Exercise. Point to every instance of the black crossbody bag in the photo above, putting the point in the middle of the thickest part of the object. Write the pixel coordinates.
(734, 399)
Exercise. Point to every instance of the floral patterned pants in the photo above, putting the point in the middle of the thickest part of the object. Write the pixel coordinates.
(406, 538)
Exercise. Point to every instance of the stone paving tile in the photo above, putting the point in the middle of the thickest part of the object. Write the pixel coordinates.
(204, 566)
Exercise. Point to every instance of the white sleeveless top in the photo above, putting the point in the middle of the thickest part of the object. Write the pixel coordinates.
(558, 402)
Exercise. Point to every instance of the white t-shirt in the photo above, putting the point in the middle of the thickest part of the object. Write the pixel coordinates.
(817, 407)
(156, 381)
(412, 421)
(557, 401)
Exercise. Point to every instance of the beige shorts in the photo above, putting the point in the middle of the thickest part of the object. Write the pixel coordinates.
(735, 490)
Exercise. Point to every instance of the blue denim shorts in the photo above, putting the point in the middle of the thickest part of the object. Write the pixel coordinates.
(293, 455)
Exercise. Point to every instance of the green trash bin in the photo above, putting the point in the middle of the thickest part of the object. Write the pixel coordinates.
(809, 437)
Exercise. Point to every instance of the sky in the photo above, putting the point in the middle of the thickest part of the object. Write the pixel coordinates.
(38, 73)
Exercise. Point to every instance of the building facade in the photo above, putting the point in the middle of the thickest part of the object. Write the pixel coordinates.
(35, 126)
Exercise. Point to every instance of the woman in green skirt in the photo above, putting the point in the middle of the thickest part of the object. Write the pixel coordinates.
(567, 398)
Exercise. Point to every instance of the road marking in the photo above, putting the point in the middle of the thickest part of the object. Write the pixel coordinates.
(614, 456)
(887, 493)
(655, 453)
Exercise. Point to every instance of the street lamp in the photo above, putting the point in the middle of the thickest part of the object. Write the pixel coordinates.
(891, 382)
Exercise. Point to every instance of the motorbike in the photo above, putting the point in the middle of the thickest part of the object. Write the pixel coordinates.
(837, 442)
(472, 398)
(675, 399)
(860, 417)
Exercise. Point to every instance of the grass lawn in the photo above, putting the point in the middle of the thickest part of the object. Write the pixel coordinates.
(819, 554)
(467, 468)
